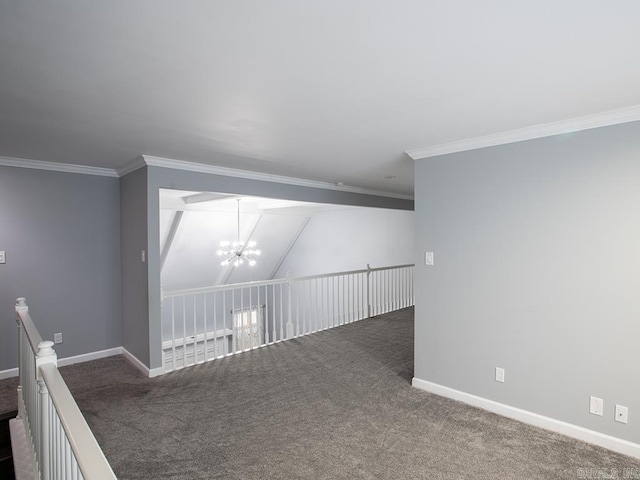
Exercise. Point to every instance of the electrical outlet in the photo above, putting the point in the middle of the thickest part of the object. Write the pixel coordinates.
(499, 374)
(57, 337)
(622, 414)
(143, 256)
(596, 406)
(3, 256)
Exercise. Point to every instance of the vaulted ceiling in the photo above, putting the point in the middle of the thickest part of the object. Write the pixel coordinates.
(329, 90)
(193, 223)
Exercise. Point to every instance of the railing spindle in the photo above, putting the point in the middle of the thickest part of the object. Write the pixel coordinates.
(184, 332)
(173, 333)
(308, 305)
(205, 353)
(215, 326)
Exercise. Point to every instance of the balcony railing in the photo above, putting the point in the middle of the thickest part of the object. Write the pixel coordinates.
(61, 443)
(203, 324)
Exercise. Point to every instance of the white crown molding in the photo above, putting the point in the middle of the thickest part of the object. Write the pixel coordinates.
(56, 167)
(246, 174)
(604, 119)
(144, 160)
(131, 166)
(607, 441)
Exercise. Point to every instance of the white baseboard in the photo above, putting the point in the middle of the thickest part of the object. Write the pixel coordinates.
(153, 372)
(8, 373)
(156, 372)
(568, 429)
(63, 362)
(87, 357)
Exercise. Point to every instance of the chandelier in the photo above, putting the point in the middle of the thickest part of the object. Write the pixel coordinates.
(238, 252)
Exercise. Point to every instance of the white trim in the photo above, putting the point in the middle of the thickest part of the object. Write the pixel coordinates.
(131, 166)
(607, 441)
(265, 177)
(144, 160)
(156, 372)
(9, 373)
(604, 119)
(135, 362)
(63, 362)
(153, 372)
(57, 167)
(87, 357)
(24, 462)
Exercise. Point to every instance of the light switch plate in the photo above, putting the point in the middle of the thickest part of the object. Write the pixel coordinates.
(428, 258)
(596, 406)
(3, 257)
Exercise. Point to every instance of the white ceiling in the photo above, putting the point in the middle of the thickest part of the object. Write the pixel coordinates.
(329, 90)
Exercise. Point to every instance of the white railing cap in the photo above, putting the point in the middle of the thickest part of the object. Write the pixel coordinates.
(21, 304)
(287, 279)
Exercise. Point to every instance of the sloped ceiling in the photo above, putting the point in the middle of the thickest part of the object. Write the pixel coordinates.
(327, 90)
(207, 219)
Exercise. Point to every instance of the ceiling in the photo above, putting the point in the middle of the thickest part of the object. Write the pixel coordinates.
(334, 91)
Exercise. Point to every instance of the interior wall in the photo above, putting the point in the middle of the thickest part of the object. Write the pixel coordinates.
(61, 235)
(135, 293)
(536, 270)
(343, 240)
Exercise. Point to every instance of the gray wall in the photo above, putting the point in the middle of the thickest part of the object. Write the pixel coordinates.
(133, 240)
(61, 234)
(537, 270)
(184, 180)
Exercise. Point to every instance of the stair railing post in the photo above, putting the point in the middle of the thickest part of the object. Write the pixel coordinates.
(368, 291)
(21, 305)
(46, 354)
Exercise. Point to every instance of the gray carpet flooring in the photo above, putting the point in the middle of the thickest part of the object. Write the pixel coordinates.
(332, 405)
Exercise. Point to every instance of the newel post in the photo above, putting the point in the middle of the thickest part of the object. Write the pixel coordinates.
(290, 331)
(46, 354)
(21, 306)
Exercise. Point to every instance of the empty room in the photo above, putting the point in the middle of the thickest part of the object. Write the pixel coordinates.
(335, 240)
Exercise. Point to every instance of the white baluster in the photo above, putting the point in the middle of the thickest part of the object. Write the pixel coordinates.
(290, 329)
(46, 355)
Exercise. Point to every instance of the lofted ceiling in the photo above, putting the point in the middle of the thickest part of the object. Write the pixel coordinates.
(207, 218)
(334, 91)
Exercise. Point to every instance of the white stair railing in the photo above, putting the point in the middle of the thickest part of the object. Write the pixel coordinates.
(63, 446)
(206, 323)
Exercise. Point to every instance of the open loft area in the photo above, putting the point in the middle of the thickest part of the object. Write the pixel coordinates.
(505, 136)
(291, 237)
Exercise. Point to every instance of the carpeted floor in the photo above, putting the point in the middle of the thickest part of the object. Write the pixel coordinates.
(332, 405)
